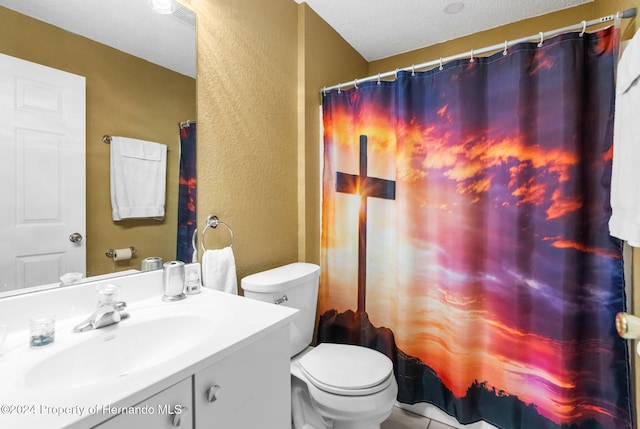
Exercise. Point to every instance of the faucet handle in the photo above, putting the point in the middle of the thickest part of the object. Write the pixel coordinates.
(119, 306)
(108, 293)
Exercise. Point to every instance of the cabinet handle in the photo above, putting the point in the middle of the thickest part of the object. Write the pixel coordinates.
(177, 417)
(213, 393)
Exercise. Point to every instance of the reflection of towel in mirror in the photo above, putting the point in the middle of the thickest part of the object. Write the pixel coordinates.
(219, 270)
(138, 178)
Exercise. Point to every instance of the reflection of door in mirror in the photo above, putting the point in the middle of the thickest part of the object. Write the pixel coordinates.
(126, 95)
(42, 138)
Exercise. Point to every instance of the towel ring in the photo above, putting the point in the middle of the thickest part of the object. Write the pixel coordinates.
(213, 222)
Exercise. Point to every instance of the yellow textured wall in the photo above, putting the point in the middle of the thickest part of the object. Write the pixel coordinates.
(324, 57)
(247, 134)
(126, 96)
(256, 111)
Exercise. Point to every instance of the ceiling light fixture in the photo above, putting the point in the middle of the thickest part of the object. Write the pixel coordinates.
(165, 7)
(453, 8)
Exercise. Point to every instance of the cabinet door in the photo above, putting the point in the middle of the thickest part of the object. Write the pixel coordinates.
(249, 389)
(168, 409)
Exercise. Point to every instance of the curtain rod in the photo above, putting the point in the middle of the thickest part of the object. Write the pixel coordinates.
(629, 13)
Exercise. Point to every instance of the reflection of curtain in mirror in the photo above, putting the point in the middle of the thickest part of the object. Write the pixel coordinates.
(186, 248)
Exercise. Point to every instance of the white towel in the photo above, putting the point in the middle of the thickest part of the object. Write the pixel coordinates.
(219, 270)
(625, 175)
(138, 178)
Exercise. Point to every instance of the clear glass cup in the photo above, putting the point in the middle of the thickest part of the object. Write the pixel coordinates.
(43, 329)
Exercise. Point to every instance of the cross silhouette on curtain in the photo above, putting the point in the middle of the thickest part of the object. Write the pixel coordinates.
(366, 187)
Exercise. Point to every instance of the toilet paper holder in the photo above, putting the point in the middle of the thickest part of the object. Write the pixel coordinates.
(112, 252)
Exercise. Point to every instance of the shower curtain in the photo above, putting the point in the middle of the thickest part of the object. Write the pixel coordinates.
(465, 236)
(186, 250)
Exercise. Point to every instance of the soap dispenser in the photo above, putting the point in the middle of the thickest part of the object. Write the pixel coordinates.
(192, 283)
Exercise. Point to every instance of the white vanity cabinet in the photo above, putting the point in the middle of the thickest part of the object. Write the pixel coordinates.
(221, 359)
(168, 409)
(248, 389)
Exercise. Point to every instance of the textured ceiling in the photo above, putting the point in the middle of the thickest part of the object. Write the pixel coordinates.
(127, 25)
(375, 28)
(383, 28)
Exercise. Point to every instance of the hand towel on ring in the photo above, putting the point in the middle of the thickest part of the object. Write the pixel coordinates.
(219, 270)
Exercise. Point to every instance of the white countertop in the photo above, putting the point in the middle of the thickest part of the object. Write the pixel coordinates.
(237, 321)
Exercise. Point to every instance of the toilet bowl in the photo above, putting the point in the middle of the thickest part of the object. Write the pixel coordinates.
(346, 386)
(337, 386)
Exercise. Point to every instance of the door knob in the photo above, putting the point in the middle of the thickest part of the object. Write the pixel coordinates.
(76, 237)
(628, 325)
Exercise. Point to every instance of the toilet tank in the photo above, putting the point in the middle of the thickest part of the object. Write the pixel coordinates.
(294, 285)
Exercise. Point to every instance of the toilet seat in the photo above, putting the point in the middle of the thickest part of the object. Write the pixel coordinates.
(347, 370)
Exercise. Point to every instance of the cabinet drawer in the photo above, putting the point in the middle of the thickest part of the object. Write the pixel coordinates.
(249, 389)
(158, 411)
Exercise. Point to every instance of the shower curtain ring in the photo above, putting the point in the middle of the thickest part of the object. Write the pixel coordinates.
(440, 68)
(541, 39)
(378, 78)
(355, 83)
(471, 59)
(584, 28)
(339, 88)
(413, 70)
(505, 52)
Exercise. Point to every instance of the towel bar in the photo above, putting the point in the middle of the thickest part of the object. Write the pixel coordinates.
(213, 222)
(106, 139)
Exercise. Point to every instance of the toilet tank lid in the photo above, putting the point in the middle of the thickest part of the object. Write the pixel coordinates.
(280, 278)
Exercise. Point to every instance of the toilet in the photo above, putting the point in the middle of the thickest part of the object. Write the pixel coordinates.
(335, 386)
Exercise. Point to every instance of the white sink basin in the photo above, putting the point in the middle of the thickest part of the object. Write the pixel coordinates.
(120, 350)
(155, 333)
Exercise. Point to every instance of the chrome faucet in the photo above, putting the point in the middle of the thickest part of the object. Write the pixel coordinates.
(108, 312)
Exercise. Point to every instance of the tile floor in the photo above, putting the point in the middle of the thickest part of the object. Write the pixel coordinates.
(402, 419)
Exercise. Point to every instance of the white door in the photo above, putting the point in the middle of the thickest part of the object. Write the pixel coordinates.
(42, 173)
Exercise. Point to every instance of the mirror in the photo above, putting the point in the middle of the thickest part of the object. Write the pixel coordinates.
(139, 68)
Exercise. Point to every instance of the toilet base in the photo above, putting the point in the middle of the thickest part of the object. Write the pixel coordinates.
(307, 413)
(302, 414)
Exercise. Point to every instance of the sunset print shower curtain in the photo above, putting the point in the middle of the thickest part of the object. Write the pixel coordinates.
(464, 234)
